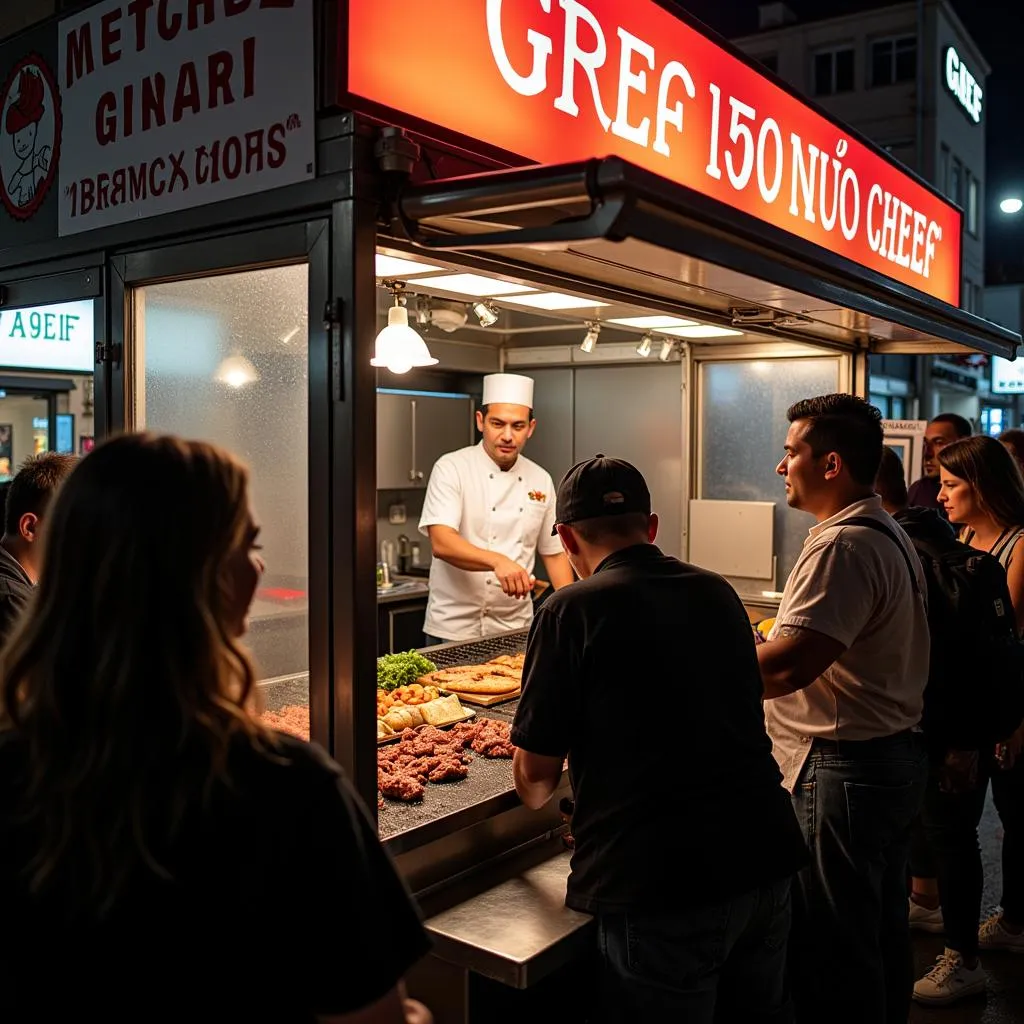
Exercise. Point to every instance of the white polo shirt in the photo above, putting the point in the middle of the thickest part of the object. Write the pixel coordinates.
(852, 584)
(510, 512)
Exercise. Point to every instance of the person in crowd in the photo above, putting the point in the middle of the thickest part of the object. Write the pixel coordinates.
(28, 499)
(946, 428)
(488, 512)
(844, 672)
(1013, 441)
(945, 856)
(710, 936)
(152, 832)
(983, 491)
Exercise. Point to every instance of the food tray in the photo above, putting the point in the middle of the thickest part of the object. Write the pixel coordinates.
(469, 713)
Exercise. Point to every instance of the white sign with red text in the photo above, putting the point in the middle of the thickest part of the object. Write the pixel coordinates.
(172, 104)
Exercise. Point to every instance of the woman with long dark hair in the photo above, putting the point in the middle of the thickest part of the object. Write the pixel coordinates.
(982, 491)
(162, 855)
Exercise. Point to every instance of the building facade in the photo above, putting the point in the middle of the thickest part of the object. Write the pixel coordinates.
(912, 80)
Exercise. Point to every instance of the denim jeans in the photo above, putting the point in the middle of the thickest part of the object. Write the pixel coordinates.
(850, 958)
(721, 964)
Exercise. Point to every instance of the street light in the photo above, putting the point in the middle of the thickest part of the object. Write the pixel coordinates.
(1012, 204)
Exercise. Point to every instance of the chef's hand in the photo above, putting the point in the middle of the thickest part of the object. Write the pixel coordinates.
(514, 579)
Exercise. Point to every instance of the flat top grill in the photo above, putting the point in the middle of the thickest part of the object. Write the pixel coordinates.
(476, 652)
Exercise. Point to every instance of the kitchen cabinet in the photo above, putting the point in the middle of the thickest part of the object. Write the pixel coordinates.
(414, 430)
(400, 625)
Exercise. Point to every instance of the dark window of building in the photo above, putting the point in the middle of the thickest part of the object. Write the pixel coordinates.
(893, 60)
(833, 72)
(956, 176)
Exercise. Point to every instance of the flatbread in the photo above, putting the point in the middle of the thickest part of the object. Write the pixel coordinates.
(484, 683)
(443, 710)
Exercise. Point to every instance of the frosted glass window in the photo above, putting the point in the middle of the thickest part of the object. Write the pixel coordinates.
(225, 359)
(743, 428)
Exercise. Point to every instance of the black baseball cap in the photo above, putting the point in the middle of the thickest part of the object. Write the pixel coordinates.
(601, 487)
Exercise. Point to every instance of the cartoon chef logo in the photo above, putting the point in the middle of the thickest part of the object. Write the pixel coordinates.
(30, 143)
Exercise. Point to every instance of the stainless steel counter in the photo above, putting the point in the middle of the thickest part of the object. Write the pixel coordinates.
(517, 931)
(403, 590)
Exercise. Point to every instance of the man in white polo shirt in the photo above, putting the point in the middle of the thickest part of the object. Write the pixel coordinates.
(844, 673)
(489, 512)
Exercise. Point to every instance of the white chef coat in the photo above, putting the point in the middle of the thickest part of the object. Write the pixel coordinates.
(510, 512)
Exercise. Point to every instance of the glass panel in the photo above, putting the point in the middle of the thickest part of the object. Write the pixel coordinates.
(743, 429)
(972, 205)
(955, 177)
(225, 359)
(844, 71)
(906, 59)
(24, 421)
(822, 74)
(881, 63)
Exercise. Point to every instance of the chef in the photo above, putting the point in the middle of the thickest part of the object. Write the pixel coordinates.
(489, 512)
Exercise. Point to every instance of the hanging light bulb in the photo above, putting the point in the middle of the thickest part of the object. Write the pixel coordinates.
(399, 348)
(588, 343)
(667, 348)
(236, 372)
(644, 348)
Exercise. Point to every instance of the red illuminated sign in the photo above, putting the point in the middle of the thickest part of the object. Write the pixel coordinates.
(562, 80)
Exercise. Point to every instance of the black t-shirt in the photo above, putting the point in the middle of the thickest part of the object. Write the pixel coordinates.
(15, 593)
(645, 674)
(283, 905)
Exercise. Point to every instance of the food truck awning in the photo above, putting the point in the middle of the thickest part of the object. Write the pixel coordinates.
(667, 163)
(625, 229)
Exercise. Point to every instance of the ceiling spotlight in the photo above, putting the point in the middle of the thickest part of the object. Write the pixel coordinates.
(590, 340)
(644, 348)
(399, 348)
(667, 348)
(486, 313)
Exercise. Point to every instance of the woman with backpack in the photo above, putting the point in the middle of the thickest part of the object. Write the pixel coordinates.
(982, 491)
(163, 856)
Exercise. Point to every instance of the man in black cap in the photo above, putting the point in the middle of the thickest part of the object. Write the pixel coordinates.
(644, 673)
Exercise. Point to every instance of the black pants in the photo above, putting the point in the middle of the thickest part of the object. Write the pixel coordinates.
(720, 964)
(945, 847)
(1008, 796)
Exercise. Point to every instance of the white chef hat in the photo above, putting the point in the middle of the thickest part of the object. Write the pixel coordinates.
(508, 389)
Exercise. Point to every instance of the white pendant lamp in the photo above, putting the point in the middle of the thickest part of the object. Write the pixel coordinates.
(399, 348)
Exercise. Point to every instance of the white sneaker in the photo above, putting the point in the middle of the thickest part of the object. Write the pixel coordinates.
(992, 935)
(924, 919)
(949, 980)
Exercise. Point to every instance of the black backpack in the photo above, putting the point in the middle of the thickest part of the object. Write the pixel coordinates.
(975, 692)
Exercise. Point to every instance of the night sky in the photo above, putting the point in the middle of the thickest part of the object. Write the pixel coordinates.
(997, 26)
